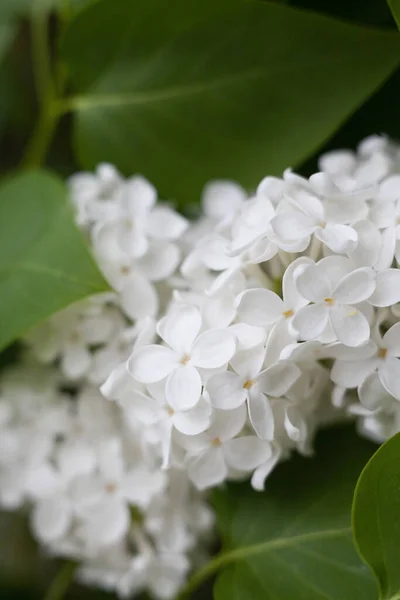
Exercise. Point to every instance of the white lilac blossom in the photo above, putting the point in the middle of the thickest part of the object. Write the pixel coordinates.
(223, 347)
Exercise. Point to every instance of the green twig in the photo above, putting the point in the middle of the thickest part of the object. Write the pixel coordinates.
(49, 86)
(41, 61)
(61, 582)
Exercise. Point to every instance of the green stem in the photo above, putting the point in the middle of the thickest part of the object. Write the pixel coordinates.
(61, 582)
(46, 84)
(40, 52)
(244, 552)
(39, 143)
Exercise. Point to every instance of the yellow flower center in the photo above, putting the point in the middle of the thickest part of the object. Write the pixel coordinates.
(382, 352)
(185, 359)
(248, 384)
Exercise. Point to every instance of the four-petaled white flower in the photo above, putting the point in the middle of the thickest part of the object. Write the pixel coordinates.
(188, 351)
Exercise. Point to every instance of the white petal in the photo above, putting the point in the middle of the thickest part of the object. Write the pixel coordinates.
(226, 391)
(312, 284)
(247, 335)
(261, 415)
(338, 238)
(51, 519)
(166, 224)
(118, 382)
(105, 523)
(372, 394)
(152, 363)
(248, 363)
(208, 469)
(350, 374)
(220, 198)
(160, 261)
(389, 373)
(293, 225)
(180, 328)
(277, 379)
(259, 307)
(213, 348)
(76, 458)
(391, 340)
(227, 423)
(369, 241)
(193, 421)
(138, 196)
(132, 237)
(42, 481)
(356, 287)
(310, 321)
(291, 296)
(349, 325)
(387, 288)
(246, 453)
(295, 425)
(75, 361)
(306, 202)
(183, 387)
(264, 470)
(139, 298)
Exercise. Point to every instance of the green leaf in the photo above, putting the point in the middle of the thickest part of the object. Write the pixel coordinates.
(294, 542)
(376, 517)
(185, 91)
(44, 263)
(395, 8)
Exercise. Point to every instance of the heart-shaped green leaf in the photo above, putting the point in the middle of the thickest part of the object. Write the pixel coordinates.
(44, 263)
(395, 8)
(376, 517)
(185, 91)
(294, 542)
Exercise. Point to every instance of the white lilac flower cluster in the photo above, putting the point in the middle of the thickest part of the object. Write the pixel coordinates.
(225, 345)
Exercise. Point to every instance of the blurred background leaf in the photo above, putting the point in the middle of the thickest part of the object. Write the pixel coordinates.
(249, 91)
(44, 262)
(376, 517)
(395, 8)
(294, 540)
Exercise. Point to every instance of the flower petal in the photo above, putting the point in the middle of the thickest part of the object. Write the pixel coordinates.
(277, 379)
(350, 374)
(213, 348)
(264, 470)
(183, 388)
(387, 288)
(259, 307)
(208, 469)
(389, 373)
(372, 394)
(391, 340)
(356, 287)
(152, 363)
(246, 453)
(350, 325)
(226, 391)
(160, 261)
(180, 328)
(261, 415)
(139, 298)
(227, 423)
(338, 238)
(295, 425)
(166, 224)
(51, 519)
(193, 421)
(310, 321)
(312, 284)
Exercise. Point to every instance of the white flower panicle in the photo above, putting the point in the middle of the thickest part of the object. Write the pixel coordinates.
(224, 346)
